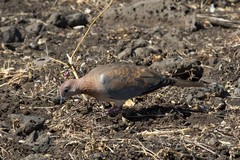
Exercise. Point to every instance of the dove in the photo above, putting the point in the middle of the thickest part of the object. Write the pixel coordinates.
(119, 82)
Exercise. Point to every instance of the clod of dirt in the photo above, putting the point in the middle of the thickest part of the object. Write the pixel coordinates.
(70, 20)
(76, 19)
(11, 34)
(125, 54)
(26, 124)
(143, 52)
(237, 91)
(183, 68)
(4, 127)
(58, 20)
(36, 28)
(200, 95)
(219, 103)
(139, 43)
(218, 90)
(151, 13)
(38, 143)
(41, 61)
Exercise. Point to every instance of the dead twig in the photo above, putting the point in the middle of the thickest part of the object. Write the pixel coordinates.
(200, 145)
(146, 151)
(214, 20)
(89, 28)
(158, 132)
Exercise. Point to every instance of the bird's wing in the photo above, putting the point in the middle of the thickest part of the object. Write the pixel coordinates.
(124, 81)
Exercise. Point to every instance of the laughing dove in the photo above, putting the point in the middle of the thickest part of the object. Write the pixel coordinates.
(118, 83)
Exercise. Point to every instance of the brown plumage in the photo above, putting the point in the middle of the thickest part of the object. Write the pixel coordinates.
(119, 82)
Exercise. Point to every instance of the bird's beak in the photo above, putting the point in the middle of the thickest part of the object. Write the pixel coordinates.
(62, 100)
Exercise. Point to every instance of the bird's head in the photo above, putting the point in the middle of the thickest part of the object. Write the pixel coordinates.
(68, 89)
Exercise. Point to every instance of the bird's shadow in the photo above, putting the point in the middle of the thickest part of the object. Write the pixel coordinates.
(157, 111)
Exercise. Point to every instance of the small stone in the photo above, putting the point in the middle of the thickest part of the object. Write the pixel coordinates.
(139, 43)
(219, 90)
(237, 92)
(219, 104)
(35, 28)
(212, 141)
(155, 29)
(34, 45)
(125, 54)
(143, 52)
(76, 19)
(200, 95)
(58, 20)
(11, 34)
(189, 97)
(184, 68)
(168, 64)
(4, 107)
(156, 49)
(27, 123)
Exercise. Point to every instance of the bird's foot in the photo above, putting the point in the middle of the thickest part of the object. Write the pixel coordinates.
(114, 111)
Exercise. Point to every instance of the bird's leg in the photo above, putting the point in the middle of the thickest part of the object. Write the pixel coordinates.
(116, 109)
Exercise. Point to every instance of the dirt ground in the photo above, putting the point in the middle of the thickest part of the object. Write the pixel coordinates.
(191, 40)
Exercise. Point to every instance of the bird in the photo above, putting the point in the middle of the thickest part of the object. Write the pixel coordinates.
(118, 82)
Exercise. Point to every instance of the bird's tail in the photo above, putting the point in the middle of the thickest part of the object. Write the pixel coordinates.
(184, 83)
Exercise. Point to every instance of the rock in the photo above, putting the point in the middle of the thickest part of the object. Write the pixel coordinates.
(219, 103)
(11, 34)
(125, 54)
(200, 95)
(218, 90)
(233, 102)
(27, 124)
(4, 107)
(153, 30)
(237, 92)
(189, 98)
(40, 62)
(58, 20)
(143, 52)
(76, 19)
(34, 45)
(35, 27)
(155, 49)
(150, 13)
(38, 143)
(183, 68)
(121, 45)
(4, 126)
(71, 20)
(139, 43)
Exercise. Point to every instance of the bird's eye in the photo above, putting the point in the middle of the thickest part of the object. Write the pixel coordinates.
(65, 90)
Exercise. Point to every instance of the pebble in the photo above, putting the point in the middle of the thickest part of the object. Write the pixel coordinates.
(11, 34)
(77, 19)
(58, 20)
(125, 53)
(35, 27)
